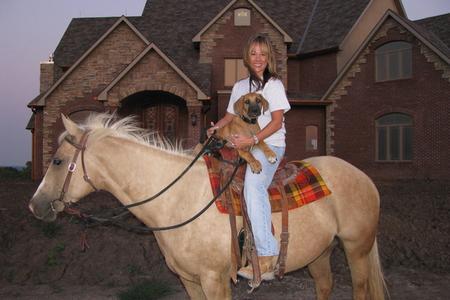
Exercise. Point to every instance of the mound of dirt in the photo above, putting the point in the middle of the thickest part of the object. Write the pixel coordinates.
(48, 258)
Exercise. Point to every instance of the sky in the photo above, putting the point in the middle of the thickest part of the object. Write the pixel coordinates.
(30, 31)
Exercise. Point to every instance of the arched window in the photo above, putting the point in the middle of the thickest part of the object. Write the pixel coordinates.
(394, 137)
(312, 132)
(393, 61)
(242, 17)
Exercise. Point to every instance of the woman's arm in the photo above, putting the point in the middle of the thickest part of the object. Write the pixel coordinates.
(221, 123)
(274, 125)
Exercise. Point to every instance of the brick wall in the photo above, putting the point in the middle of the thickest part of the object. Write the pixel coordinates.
(224, 40)
(98, 69)
(359, 100)
(311, 76)
(46, 76)
(153, 73)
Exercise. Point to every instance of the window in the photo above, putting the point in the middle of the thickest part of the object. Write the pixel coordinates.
(393, 61)
(311, 137)
(242, 17)
(234, 71)
(394, 137)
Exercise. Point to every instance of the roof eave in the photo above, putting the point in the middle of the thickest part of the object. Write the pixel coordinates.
(41, 101)
(197, 37)
(389, 13)
(103, 95)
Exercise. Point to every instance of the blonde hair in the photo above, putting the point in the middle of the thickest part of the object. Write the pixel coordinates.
(267, 48)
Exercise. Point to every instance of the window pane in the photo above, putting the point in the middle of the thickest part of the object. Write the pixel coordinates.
(394, 119)
(311, 137)
(230, 72)
(382, 145)
(394, 67)
(242, 17)
(393, 61)
(241, 70)
(394, 143)
(406, 63)
(381, 67)
(407, 143)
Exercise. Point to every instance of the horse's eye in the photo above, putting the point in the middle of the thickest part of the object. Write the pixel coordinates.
(57, 161)
(247, 101)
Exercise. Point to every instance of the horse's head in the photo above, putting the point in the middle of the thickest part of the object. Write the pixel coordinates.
(63, 182)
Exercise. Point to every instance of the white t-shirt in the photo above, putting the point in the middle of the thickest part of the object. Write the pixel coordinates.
(275, 94)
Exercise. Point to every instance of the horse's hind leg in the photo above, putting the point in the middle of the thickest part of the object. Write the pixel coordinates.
(320, 270)
(358, 260)
(193, 289)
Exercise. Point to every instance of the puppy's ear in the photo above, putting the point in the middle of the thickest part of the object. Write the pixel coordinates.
(264, 102)
(239, 106)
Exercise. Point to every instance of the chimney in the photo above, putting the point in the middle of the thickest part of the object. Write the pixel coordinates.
(47, 73)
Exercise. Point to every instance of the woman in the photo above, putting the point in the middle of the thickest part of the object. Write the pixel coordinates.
(259, 59)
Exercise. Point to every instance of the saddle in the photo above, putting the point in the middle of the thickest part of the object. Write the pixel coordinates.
(295, 184)
(298, 181)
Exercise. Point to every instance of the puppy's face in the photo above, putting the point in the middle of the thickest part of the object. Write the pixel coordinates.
(251, 105)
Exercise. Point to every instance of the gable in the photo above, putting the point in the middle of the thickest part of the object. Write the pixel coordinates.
(145, 53)
(197, 37)
(351, 68)
(86, 54)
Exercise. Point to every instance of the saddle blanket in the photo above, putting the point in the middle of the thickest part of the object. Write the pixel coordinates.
(301, 182)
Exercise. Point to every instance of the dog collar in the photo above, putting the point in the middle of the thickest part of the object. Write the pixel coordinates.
(248, 120)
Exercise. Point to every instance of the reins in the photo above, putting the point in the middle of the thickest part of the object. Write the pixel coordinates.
(211, 145)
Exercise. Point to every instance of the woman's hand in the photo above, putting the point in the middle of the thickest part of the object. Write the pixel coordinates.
(211, 130)
(239, 141)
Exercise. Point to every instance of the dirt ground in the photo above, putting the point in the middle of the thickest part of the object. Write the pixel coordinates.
(42, 261)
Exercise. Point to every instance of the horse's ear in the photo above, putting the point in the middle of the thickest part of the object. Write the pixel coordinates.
(71, 127)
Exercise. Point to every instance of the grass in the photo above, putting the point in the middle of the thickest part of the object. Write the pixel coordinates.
(54, 254)
(50, 230)
(149, 290)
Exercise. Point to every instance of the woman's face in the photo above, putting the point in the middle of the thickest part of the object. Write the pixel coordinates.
(258, 60)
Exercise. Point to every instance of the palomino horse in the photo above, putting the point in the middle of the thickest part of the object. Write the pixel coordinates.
(117, 159)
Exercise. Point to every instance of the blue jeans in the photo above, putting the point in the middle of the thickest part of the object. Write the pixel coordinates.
(257, 200)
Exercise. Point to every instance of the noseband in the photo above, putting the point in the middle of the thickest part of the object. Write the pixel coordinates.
(59, 204)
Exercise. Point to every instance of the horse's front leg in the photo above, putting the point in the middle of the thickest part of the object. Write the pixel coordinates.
(216, 285)
(194, 289)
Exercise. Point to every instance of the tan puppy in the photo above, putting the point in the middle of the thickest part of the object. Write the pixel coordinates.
(247, 109)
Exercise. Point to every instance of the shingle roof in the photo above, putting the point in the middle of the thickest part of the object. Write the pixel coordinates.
(81, 34)
(171, 25)
(438, 31)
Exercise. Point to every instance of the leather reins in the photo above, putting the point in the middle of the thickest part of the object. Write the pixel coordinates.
(212, 144)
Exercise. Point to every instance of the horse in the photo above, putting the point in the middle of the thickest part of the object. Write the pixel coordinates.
(119, 158)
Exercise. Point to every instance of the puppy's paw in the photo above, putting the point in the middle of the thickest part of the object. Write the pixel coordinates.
(272, 159)
(256, 167)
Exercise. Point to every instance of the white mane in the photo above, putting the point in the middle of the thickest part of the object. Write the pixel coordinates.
(105, 125)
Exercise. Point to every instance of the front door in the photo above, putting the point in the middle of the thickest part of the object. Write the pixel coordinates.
(163, 118)
(160, 112)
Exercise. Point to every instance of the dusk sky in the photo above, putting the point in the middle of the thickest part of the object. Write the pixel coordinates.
(30, 31)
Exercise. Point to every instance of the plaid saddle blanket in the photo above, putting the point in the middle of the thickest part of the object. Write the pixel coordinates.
(301, 182)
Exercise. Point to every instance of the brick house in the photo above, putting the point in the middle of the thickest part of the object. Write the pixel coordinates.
(174, 66)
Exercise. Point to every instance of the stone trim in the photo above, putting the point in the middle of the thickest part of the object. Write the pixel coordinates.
(86, 54)
(197, 37)
(103, 96)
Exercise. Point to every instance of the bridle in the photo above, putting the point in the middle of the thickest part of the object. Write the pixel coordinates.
(59, 204)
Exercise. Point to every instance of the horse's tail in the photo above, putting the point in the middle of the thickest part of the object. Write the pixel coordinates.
(377, 284)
